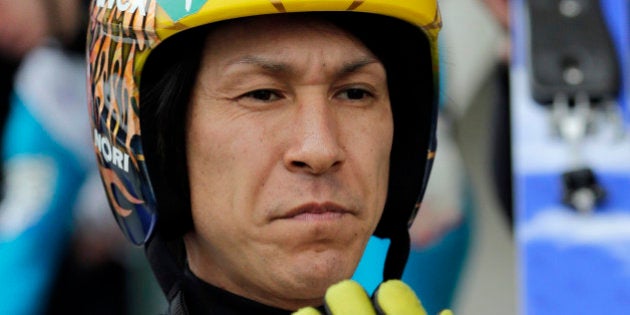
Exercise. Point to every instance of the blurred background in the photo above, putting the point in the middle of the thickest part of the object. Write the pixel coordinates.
(476, 51)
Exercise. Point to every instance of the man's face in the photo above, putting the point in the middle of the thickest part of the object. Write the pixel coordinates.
(288, 143)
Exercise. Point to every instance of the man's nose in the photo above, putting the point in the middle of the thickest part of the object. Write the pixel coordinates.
(315, 147)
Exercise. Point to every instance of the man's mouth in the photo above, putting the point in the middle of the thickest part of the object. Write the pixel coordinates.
(317, 212)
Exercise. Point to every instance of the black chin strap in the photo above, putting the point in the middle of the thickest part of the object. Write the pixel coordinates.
(166, 260)
(397, 255)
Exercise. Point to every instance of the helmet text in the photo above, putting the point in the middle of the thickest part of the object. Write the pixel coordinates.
(130, 6)
(111, 154)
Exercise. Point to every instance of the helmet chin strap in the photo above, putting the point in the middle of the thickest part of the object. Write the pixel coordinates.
(167, 262)
(397, 254)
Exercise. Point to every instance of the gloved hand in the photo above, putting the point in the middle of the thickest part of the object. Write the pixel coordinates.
(392, 297)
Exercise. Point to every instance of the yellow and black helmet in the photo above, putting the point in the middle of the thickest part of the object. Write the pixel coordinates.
(122, 36)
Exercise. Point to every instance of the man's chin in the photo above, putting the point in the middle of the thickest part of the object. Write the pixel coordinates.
(314, 277)
(303, 294)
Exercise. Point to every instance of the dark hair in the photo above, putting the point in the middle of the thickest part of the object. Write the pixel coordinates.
(168, 78)
(170, 74)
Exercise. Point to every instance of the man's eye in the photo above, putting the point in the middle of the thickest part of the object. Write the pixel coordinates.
(355, 94)
(263, 95)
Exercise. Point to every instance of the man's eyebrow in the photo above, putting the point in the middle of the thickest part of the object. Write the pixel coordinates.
(279, 67)
(355, 65)
(264, 63)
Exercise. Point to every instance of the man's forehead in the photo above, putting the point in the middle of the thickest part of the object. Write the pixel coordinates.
(274, 26)
(279, 65)
(286, 48)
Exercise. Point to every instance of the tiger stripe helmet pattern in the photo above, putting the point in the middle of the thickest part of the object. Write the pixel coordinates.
(122, 34)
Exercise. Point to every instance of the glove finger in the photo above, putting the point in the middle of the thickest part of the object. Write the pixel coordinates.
(307, 311)
(394, 297)
(348, 298)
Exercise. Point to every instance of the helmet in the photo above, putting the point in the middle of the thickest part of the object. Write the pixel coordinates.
(122, 36)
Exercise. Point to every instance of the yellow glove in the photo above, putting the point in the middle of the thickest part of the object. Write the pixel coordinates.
(393, 297)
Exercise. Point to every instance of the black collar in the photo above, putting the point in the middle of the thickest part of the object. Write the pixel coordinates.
(201, 298)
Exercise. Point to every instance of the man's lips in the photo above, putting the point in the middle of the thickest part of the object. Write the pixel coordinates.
(316, 211)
